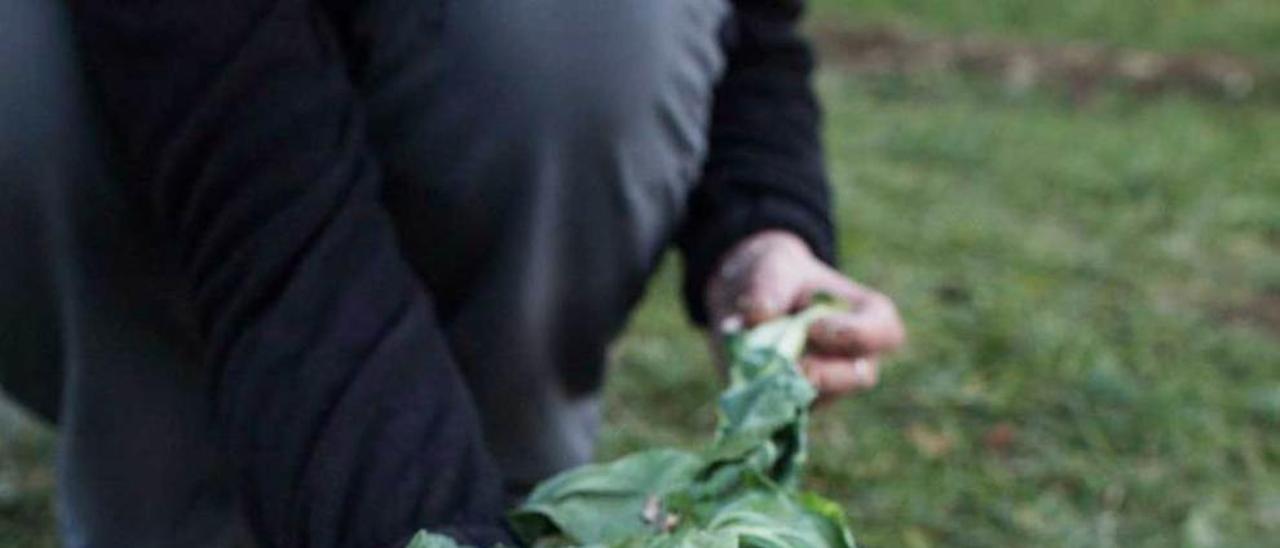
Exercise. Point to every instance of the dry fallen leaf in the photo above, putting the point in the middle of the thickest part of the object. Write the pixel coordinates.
(999, 438)
(931, 443)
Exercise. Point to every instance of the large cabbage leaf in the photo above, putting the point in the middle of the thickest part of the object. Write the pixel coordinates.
(741, 491)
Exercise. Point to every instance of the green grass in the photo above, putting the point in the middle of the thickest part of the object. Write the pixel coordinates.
(1240, 26)
(1065, 274)
(26, 481)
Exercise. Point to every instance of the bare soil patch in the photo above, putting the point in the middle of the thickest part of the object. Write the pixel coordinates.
(1262, 311)
(1080, 69)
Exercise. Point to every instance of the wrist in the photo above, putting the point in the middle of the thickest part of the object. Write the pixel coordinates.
(776, 240)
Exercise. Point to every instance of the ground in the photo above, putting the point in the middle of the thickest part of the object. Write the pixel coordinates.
(1092, 288)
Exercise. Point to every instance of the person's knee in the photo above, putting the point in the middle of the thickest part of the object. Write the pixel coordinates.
(615, 71)
(572, 69)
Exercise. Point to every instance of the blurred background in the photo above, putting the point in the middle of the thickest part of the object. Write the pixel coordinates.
(1077, 207)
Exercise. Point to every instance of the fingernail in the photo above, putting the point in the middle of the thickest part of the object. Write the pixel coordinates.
(863, 373)
(731, 324)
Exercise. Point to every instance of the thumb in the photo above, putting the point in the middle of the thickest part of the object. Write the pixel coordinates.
(768, 296)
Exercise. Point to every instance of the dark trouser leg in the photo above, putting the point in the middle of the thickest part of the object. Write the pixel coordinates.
(36, 156)
(84, 287)
(538, 156)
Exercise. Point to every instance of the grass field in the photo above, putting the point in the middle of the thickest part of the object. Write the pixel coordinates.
(1087, 293)
(1093, 294)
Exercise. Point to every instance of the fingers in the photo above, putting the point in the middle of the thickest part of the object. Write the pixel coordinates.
(843, 349)
(769, 276)
(828, 281)
(872, 328)
(833, 376)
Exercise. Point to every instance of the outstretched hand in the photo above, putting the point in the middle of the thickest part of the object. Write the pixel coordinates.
(774, 273)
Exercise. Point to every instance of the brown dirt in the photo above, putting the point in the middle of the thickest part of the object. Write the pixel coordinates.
(1262, 311)
(1079, 69)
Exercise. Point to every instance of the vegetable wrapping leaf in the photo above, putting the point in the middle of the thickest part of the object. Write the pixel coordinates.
(427, 540)
(739, 491)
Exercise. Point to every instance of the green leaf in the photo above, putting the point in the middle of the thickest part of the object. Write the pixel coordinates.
(427, 540)
(739, 491)
(604, 502)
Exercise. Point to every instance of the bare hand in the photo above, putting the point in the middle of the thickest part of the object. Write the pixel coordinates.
(774, 273)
